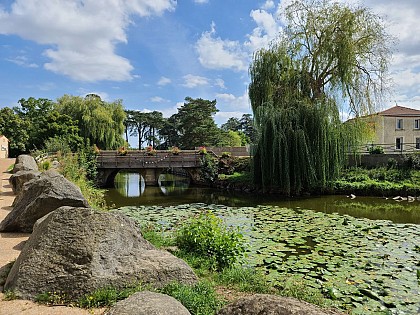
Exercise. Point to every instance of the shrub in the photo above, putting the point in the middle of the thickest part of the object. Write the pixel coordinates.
(200, 299)
(209, 168)
(206, 235)
(376, 150)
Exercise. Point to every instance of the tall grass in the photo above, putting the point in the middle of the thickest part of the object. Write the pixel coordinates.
(76, 172)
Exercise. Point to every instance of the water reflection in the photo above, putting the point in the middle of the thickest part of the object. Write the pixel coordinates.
(171, 184)
(176, 191)
(129, 184)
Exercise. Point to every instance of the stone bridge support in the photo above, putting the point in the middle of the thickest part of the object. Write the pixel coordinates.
(105, 177)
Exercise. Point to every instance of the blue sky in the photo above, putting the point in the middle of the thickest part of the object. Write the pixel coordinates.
(154, 53)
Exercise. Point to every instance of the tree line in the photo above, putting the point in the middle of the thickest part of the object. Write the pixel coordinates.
(73, 122)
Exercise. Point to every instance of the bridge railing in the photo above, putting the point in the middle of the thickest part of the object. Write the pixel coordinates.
(141, 159)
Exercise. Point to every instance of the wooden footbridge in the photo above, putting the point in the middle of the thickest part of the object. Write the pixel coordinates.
(147, 165)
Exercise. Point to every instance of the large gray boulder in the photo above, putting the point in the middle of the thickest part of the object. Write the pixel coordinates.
(25, 163)
(17, 180)
(75, 251)
(148, 303)
(265, 304)
(38, 197)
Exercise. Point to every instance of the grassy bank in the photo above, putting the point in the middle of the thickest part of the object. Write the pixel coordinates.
(379, 181)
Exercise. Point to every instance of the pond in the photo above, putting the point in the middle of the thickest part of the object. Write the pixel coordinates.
(339, 246)
(175, 190)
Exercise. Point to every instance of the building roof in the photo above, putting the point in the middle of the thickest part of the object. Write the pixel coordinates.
(400, 111)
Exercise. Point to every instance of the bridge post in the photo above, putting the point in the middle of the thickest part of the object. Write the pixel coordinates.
(150, 176)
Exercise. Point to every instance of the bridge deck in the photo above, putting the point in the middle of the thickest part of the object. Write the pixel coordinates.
(140, 160)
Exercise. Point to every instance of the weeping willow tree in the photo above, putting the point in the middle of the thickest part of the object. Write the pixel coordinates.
(99, 121)
(329, 56)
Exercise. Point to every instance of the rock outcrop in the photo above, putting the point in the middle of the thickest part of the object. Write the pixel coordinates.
(18, 179)
(75, 251)
(148, 303)
(25, 163)
(40, 196)
(265, 304)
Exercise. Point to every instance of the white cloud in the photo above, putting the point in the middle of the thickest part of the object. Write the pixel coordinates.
(23, 62)
(168, 112)
(192, 81)
(158, 99)
(216, 53)
(235, 102)
(220, 83)
(268, 5)
(201, 1)
(83, 35)
(267, 29)
(164, 81)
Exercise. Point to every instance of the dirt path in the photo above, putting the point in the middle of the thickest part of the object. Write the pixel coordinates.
(10, 246)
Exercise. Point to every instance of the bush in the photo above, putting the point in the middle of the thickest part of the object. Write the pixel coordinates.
(376, 150)
(209, 168)
(206, 235)
(200, 299)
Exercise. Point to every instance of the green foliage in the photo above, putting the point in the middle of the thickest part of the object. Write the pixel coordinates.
(206, 235)
(45, 165)
(411, 161)
(76, 167)
(230, 139)
(156, 235)
(376, 150)
(57, 144)
(99, 121)
(378, 181)
(15, 129)
(52, 298)
(193, 125)
(244, 279)
(297, 287)
(200, 299)
(300, 147)
(209, 168)
(238, 178)
(107, 296)
(10, 295)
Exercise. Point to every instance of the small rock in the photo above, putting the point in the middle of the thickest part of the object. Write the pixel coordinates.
(148, 303)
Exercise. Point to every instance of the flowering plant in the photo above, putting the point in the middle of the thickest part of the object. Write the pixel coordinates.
(175, 150)
(202, 150)
(122, 151)
(150, 150)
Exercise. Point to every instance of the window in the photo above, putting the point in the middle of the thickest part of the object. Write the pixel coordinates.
(418, 143)
(416, 123)
(399, 143)
(399, 124)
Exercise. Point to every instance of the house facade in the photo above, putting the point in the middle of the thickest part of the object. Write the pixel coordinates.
(396, 129)
(4, 147)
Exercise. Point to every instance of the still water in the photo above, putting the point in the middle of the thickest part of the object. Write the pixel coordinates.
(175, 190)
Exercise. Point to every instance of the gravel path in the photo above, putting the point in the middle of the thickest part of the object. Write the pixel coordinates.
(10, 247)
